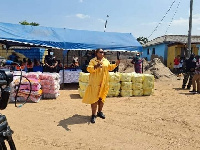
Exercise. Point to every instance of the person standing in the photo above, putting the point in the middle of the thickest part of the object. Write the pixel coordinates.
(177, 64)
(98, 85)
(50, 62)
(196, 77)
(190, 65)
(75, 61)
(137, 61)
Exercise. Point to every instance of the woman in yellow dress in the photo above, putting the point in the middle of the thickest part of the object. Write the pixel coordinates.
(98, 86)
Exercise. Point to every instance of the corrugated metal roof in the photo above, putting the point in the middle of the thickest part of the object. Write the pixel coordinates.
(173, 39)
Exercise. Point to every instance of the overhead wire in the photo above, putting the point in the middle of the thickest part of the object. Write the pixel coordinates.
(162, 19)
(172, 17)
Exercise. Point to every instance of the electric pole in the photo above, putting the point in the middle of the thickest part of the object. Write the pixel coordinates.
(189, 47)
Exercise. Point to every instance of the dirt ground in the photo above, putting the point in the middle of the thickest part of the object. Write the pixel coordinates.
(169, 119)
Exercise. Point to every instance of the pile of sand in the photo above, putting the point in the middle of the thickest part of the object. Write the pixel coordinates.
(158, 69)
(126, 66)
(154, 67)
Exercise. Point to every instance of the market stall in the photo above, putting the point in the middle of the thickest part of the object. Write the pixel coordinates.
(66, 40)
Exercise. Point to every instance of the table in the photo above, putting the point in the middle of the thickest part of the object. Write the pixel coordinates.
(70, 76)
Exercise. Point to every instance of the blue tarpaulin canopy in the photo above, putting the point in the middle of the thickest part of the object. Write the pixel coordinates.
(66, 39)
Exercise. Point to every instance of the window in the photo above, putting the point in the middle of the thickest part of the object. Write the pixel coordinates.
(153, 51)
(148, 51)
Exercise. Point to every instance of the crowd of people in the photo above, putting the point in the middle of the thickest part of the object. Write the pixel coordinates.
(26, 64)
(191, 72)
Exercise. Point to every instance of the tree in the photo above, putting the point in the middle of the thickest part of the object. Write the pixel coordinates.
(142, 40)
(27, 23)
(34, 24)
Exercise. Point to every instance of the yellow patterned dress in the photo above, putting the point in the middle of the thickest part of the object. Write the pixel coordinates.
(98, 81)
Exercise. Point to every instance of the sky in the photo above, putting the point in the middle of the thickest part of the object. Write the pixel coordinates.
(139, 17)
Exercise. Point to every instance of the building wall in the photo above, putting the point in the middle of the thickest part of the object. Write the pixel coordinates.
(160, 51)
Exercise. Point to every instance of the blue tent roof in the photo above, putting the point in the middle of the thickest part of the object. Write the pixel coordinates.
(68, 39)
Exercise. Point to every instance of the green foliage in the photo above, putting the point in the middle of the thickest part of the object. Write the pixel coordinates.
(34, 24)
(27, 23)
(142, 40)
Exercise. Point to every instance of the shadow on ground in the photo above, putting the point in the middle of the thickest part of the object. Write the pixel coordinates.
(188, 93)
(69, 86)
(178, 89)
(75, 119)
(75, 96)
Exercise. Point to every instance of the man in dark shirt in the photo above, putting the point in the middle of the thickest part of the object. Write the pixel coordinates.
(190, 65)
(50, 62)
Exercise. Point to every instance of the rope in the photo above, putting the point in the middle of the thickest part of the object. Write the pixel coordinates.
(162, 19)
(173, 17)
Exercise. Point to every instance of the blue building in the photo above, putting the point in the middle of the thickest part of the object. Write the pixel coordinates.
(167, 47)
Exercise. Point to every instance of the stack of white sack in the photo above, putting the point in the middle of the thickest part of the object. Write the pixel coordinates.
(148, 84)
(126, 85)
(50, 85)
(137, 80)
(114, 84)
(69, 76)
(32, 88)
(83, 83)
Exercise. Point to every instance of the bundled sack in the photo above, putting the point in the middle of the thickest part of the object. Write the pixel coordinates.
(49, 82)
(148, 82)
(126, 85)
(113, 93)
(50, 85)
(114, 77)
(137, 86)
(114, 86)
(49, 76)
(39, 92)
(126, 93)
(137, 78)
(25, 81)
(84, 77)
(27, 87)
(138, 92)
(81, 92)
(148, 92)
(83, 85)
(126, 77)
(34, 75)
(23, 97)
